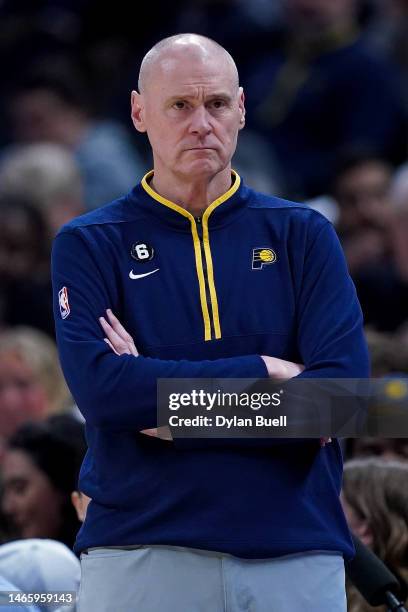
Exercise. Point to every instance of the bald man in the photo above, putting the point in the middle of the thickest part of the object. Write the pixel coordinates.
(207, 279)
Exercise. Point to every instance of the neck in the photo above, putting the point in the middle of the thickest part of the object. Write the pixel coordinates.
(195, 195)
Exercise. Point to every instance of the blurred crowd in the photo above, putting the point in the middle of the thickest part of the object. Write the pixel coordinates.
(326, 85)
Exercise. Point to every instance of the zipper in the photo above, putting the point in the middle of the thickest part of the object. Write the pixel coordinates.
(202, 252)
(199, 226)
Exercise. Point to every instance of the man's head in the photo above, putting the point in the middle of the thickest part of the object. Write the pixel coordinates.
(50, 103)
(47, 175)
(190, 104)
(361, 188)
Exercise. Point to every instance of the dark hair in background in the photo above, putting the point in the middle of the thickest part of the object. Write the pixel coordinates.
(352, 157)
(60, 76)
(57, 447)
(15, 204)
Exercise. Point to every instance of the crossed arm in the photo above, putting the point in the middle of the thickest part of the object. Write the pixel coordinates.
(329, 333)
(122, 343)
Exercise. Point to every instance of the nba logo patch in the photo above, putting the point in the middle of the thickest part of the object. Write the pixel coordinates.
(63, 302)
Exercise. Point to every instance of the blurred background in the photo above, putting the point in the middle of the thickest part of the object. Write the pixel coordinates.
(326, 85)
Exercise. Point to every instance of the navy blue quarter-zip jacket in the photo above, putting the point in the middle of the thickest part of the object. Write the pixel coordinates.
(256, 275)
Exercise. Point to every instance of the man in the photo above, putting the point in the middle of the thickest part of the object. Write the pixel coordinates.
(324, 90)
(50, 105)
(209, 279)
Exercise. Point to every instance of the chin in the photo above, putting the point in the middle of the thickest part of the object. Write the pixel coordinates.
(203, 167)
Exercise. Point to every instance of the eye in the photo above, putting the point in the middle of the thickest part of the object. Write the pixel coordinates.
(218, 103)
(180, 105)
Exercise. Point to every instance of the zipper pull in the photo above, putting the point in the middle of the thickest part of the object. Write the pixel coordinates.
(198, 219)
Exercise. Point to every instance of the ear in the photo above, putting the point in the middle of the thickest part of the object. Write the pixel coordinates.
(241, 106)
(137, 112)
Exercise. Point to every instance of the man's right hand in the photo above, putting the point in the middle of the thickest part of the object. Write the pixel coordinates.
(283, 370)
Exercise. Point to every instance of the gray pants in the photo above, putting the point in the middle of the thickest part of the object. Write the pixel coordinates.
(176, 579)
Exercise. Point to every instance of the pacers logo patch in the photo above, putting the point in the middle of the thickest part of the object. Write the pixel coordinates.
(63, 302)
(262, 256)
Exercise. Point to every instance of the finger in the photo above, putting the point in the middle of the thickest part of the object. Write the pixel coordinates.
(109, 343)
(121, 331)
(118, 327)
(150, 432)
(119, 344)
(163, 433)
(133, 349)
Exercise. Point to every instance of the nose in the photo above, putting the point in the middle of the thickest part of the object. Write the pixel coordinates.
(200, 123)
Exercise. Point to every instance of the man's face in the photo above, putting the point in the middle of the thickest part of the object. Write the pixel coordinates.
(363, 196)
(192, 111)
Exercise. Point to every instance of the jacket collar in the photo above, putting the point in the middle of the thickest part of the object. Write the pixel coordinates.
(220, 212)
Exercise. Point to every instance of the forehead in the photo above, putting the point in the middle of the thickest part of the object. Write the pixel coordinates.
(370, 171)
(17, 463)
(177, 73)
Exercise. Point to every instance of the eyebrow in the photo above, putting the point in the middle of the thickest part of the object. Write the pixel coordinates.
(214, 96)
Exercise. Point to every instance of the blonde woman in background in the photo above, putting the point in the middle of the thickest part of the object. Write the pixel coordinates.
(31, 383)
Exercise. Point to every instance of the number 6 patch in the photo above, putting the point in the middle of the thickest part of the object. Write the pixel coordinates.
(142, 251)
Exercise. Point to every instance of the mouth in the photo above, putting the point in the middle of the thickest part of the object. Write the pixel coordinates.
(200, 149)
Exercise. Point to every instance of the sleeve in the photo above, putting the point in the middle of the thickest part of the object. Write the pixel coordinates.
(330, 334)
(118, 392)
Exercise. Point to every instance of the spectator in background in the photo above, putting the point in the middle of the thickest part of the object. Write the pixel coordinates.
(50, 105)
(362, 184)
(388, 353)
(31, 382)
(362, 190)
(6, 585)
(24, 266)
(394, 449)
(48, 176)
(388, 33)
(40, 470)
(375, 501)
(321, 91)
(389, 363)
(41, 566)
(399, 200)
